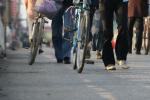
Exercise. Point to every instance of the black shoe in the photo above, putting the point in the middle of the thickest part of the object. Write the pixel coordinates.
(40, 51)
(67, 60)
(130, 52)
(138, 52)
(59, 61)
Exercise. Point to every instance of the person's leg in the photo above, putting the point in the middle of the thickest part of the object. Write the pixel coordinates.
(94, 41)
(121, 47)
(92, 11)
(106, 14)
(57, 24)
(30, 26)
(69, 28)
(139, 34)
(100, 40)
(67, 46)
(131, 22)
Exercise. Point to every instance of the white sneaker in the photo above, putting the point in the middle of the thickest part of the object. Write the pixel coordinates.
(122, 64)
(110, 67)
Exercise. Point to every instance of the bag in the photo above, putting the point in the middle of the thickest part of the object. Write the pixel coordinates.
(49, 8)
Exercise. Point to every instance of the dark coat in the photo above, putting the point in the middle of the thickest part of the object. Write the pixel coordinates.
(137, 8)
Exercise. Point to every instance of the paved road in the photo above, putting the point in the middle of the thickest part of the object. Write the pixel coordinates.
(47, 80)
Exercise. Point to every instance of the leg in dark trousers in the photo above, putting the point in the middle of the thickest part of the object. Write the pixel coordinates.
(57, 24)
(109, 7)
(131, 22)
(139, 34)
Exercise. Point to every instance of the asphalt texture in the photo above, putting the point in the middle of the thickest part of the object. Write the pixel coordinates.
(48, 80)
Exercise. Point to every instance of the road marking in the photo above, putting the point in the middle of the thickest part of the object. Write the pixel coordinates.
(102, 92)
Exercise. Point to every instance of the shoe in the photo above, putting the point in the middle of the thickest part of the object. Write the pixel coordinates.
(67, 60)
(138, 52)
(40, 51)
(88, 54)
(110, 67)
(130, 52)
(98, 55)
(122, 64)
(59, 61)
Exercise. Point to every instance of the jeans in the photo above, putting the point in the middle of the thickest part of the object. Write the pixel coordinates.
(61, 44)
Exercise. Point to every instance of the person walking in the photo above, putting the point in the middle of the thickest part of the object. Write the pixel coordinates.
(107, 10)
(57, 38)
(137, 9)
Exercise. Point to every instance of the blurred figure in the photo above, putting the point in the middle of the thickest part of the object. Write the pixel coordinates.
(2, 40)
(137, 9)
(31, 14)
(107, 10)
(93, 6)
(97, 32)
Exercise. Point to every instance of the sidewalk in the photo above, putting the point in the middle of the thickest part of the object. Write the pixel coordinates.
(47, 80)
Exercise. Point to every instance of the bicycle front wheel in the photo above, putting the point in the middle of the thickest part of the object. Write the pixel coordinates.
(36, 40)
(82, 43)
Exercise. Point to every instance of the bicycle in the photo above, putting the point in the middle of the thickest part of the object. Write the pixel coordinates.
(81, 36)
(146, 35)
(37, 34)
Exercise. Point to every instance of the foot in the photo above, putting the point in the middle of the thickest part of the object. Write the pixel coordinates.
(88, 54)
(40, 51)
(59, 61)
(67, 60)
(98, 55)
(138, 52)
(122, 64)
(110, 67)
(130, 52)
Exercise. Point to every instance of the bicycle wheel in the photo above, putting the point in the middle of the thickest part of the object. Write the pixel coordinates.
(74, 58)
(37, 30)
(82, 43)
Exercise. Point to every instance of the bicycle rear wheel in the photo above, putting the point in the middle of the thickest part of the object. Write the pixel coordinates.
(82, 43)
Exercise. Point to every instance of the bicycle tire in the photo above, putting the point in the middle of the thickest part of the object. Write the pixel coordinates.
(82, 45)
(74, 59)
(37, 30)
